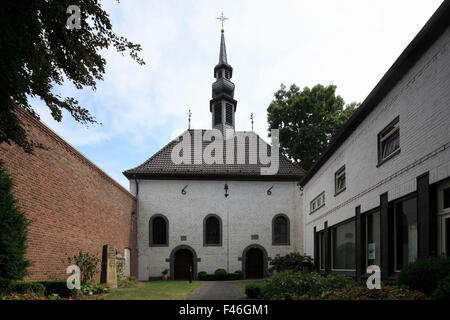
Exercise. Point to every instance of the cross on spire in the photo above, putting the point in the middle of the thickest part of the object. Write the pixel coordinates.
(222, 18)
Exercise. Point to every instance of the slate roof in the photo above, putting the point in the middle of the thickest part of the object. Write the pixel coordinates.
(161, 166)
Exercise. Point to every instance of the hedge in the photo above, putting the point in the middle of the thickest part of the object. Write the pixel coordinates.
(425, 273)
(27, 287)
(220, 275)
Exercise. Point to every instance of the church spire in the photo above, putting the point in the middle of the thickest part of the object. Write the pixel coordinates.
(223, 50)
(222, 105)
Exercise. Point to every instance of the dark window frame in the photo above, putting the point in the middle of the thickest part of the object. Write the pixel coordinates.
(276, 241)
(389, 132)
(337, 175)
(150, 239)
(205, 243)
(322, 249)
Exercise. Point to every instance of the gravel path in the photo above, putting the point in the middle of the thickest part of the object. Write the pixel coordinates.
(216, 290)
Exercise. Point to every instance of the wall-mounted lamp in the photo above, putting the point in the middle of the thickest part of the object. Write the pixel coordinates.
(269, 192)
(183, 191)
(226, 190)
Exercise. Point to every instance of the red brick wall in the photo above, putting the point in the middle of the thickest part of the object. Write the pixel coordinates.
(72, 204)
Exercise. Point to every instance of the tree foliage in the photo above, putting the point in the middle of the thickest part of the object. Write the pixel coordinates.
(13, 235)
(38, 51)
(308, 120)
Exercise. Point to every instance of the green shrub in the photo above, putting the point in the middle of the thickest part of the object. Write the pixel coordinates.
(129, 282)
(289, 285)
(293, 261)
(363, 293)
(425, 273)
(58, 287)
(238, 274)
(442, 291)
(27, 287)
(87, 263)
(13, 235)
(253, 290)
(220, 274)
(93, 288)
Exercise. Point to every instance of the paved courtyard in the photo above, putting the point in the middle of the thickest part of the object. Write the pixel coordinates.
(217, 290)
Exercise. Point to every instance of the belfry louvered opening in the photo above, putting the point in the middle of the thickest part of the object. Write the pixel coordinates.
(217, 113)
(229, 114)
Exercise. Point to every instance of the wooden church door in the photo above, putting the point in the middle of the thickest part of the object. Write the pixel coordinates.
(254, 264)
(184, 261)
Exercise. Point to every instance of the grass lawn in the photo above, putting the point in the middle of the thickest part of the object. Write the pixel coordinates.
(156, 290)
(241, 284)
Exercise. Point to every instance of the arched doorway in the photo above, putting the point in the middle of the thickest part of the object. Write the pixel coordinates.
(182, 259)
(183, 264)
(254, 262)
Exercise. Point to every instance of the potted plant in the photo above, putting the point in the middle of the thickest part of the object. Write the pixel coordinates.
(165, 274)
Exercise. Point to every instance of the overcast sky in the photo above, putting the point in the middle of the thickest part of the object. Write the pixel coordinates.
(347, 43)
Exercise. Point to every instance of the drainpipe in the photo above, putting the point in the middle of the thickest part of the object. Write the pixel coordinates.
(137, 217)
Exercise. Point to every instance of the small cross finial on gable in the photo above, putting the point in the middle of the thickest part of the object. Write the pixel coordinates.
(189, 119)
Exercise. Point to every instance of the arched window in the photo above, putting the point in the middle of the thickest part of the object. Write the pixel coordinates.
(159, 231)
(280, 230)
(212, 230)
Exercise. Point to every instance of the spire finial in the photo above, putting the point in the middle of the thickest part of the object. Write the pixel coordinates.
(251, 118)
(189, 119)
(222, 18)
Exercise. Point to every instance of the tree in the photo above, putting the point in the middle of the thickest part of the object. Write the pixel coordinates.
(308, 120)
(13, 235)
(38, 51)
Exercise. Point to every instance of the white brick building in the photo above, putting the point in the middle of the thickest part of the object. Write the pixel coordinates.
(380, 193)
(201, 217)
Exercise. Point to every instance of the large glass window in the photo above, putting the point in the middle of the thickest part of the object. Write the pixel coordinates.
(343, 246)
(405, 224)
(373, 238)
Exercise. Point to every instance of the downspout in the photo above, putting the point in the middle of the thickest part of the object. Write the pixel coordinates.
(137, 215)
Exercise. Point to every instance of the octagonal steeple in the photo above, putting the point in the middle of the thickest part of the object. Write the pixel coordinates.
(222, 105)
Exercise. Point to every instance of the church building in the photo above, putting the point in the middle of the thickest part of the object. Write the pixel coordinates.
(202, 215)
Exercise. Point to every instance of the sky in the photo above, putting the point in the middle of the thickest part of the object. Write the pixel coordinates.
(348, 43)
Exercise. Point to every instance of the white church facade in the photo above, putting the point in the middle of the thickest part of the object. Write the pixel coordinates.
(199, 216)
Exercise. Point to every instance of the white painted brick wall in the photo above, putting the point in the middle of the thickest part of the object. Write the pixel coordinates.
(422, 100)
(247, 210)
